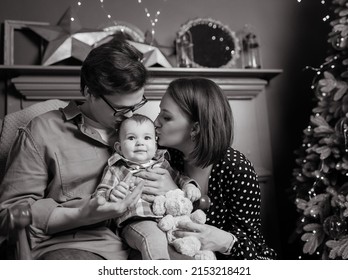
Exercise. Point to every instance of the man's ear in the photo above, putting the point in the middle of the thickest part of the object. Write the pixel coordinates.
(87, 93)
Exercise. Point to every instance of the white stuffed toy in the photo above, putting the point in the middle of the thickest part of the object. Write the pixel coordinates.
(176, 208)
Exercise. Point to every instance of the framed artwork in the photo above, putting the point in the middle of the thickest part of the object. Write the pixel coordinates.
(18, 31)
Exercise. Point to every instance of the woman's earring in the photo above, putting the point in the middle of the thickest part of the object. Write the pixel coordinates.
(193, 136)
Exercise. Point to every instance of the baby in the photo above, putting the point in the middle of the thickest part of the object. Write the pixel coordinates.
(136, 149)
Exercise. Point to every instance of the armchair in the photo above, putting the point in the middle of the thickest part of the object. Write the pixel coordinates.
(19, 217)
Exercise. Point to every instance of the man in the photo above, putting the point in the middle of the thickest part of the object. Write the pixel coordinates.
(58, 159)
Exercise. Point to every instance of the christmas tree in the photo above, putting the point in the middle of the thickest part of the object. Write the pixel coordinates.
(320, 178)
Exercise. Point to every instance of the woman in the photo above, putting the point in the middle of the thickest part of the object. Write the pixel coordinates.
(196, 124)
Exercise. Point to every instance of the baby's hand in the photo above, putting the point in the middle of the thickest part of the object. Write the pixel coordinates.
(192, 192)
(119, 192)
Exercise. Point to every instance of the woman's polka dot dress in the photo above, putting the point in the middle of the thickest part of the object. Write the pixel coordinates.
(235, 204)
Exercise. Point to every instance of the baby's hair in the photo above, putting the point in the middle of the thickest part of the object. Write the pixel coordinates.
(138, 118)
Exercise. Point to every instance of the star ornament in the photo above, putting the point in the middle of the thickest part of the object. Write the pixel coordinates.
(151, 55)
(67, 39)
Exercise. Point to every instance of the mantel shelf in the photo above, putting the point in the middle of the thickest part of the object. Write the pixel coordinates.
(35, 82)
(266, 74)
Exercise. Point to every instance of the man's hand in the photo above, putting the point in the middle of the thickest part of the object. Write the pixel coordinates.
(94, 210)
(100, 209)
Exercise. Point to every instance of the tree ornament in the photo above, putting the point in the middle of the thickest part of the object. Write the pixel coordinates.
(342, 129)
(339, 42)
(334, 226)
(345, 136)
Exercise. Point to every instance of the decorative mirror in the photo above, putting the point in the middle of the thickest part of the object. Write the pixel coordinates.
(123, 30)
(212, 43)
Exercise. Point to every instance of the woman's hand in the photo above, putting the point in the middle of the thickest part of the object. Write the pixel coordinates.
(211, 237)
(157, 181)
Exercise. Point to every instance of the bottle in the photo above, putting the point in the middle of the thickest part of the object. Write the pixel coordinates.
(184, 49)
(250, 50)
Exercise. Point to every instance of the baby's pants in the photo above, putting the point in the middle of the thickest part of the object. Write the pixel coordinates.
(146, 237)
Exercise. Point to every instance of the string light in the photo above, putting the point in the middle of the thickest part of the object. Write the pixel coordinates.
(326, 18)
(323, 2)
(319, 70)
(79, 4)
(153, 20)
(107, 14)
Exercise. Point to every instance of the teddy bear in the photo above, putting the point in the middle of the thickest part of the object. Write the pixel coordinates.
(176, 208)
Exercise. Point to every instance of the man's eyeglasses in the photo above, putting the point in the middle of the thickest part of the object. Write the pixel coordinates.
(125, 110)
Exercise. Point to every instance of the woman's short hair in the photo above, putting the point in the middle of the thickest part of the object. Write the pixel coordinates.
(113, 67)
(203, 101)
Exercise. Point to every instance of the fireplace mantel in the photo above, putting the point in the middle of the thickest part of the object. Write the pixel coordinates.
(62, 82)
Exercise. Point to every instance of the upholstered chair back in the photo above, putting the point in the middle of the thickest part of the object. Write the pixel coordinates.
(11, 123)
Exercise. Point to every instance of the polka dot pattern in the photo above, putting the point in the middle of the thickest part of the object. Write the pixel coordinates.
(235, 204)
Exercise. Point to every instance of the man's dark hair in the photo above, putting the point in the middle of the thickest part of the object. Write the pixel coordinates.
(114, 67)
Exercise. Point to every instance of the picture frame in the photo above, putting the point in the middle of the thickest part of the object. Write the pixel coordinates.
(11, 28)
(214, 45)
